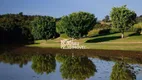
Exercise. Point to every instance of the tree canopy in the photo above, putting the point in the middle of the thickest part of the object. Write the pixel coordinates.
(14, 28)
(60, 27)
(43, 27)
(122, 18)
(77, 24)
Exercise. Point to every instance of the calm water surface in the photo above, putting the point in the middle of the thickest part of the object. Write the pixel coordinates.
(68, 67)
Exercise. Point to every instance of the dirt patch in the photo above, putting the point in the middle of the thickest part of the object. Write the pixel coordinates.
(77, 52)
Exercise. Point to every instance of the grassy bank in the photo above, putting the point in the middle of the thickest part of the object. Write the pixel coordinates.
(108, 42)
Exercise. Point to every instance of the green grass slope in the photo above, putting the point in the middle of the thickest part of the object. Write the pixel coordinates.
(109, 42)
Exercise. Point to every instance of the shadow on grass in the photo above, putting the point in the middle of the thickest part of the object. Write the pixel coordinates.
(134, 34)
(103, 34)
(36, 43)
(103, 39)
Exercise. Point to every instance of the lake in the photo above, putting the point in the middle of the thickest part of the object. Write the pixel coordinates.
(25, 63)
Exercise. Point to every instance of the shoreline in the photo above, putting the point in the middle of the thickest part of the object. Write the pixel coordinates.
(98, 46)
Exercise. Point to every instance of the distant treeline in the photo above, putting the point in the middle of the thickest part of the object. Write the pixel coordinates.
(17, 28)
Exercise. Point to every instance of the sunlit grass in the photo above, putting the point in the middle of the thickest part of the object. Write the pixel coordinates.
(110, 42)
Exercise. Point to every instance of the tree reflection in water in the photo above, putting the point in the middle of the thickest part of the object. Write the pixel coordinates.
(78, 68)
(43, 63)
(122, 71)
(15, 59)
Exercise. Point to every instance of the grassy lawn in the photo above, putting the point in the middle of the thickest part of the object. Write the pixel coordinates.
(110, 42)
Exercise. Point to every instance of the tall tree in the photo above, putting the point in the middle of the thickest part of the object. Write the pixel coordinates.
(78, 24)
(60, 26)
(43, 27)
(122, 18)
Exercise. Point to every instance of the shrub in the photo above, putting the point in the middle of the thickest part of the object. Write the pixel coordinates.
(99, 29)
(138, 28)
(114, 30)
(104, 31)
(63, 35)
(93, 32)
(96, 32)
(102, 26)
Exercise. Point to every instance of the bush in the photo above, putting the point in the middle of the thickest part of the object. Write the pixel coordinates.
(93, 32)
(114, 30)
(138, 28)
(96, 32)
(104, 31)
(56, 35)
(102, 26)
(100, 29)
(63, 36)
(139, 31)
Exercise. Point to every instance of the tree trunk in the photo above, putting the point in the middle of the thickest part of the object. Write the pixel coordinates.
(122, 35)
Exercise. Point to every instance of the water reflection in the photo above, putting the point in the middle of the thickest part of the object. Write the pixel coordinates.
(76, 68)
(43, 63)
(122, 71)
(130, 60)
(15, 59)
(68, 66)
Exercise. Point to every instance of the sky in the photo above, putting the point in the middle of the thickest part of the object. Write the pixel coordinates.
(58, 8)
